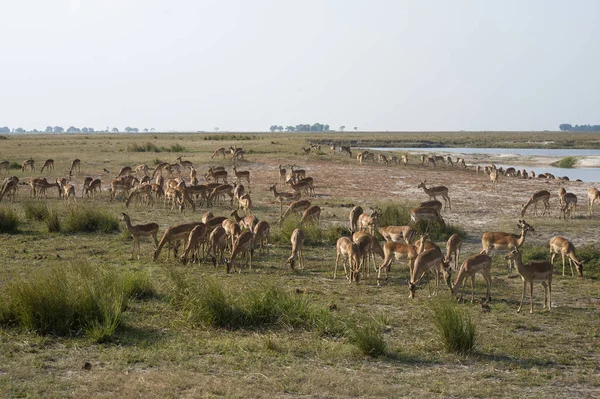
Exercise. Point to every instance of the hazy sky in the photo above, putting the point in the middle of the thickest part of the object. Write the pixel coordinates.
(249, 64)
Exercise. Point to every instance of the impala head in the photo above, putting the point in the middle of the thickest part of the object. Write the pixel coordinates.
(124, 217)
(422, 184)
(411, 289)
(513, 254)
(526, 227)
(447, 272)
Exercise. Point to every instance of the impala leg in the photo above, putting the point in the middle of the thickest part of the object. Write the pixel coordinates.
(488, 282)
(545, 294)
(563, 260)
(531, 296)
(522, 296)
(472, 288)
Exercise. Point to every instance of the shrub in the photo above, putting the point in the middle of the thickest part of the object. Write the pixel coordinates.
(14, 165)
(333, 233)
(148, 147)
(138, 285)
(35, 210)
(568, 162)
(454, 326)
(227, 137)
(66, 299)
(436, 232)
(9, 221)
(89, 220)
(176, 148)
(312, 232)
(368, 337)
(394, 215)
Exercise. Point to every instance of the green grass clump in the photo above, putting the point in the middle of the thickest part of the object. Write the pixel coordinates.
(454, 325)
(394, 215)
(35, 210)
(568, 162)
(176, 148)
(52, 221)
(333, 233)
(227, 137)
(90, 220)
(14, 166)
(148, 147)
(9, 221)
(368, 337)
(590, 256)
(138, 285)
(65, 299)
(208, 303)
(437, 232)
(534, 252)
(313, 233)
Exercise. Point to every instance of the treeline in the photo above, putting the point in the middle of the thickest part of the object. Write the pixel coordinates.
(315, 127)
(73, 129)
(565, 127)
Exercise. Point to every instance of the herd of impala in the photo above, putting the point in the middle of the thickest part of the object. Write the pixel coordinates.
(237, 235)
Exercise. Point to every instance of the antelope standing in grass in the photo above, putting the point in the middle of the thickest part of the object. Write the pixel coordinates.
(425, 213)
(479, 263)
(241, 174)
(172, 235)
(354, 214)
(568, 203)
(397, 233)
(350, 253)
(398, 251)
(295, 207)
(140, 230)
(369, 247)
(593, 196)
(297, 240)
(543, 196)
(505, 241)
(431, 259)
(530, 272)
(434, 192)
(29, 163)
(368, 222)
(75, 164)
(261, 235)
(564, 247)
(311, 214)
(195, 240)
(4, 165)
(49, 165)
(453, 247)
(243, 246)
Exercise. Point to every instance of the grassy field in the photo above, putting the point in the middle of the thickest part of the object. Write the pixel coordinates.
(194, 331)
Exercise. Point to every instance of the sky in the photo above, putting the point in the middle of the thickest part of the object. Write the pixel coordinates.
(190, 65)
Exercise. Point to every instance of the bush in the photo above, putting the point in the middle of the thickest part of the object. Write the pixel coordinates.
(313, 233)
(368, 337)
(176, 148)
(227, 137)
(568, 162)
(9, 221)
(333, 233)
(436, 232)
(64, 300)
(89, 220)
(148, 147)
(454, 326)
(394, 215)
(14, 165)
(35, 210)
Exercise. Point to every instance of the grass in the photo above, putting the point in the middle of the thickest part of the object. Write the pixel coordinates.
(52, 221)
(151, 147)
(14, 166)
(228, 137)
(36, 210)
(568, 162)
(89, 220)
(209, 304)
(368, 338)
(296, 339)
(9, 220)
(454, 326)
(66, 299)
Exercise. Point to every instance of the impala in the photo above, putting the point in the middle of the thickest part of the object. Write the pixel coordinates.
(568, 203)
(232, 229)
(346, 150)
(195, 241)
(461, 162)
(530, 272)
(295, 207)
(29, 163)
(434, 192)
(49, 165)
(261, 235)
(75, 164)
(173, 234)
(311, 214)
(431, 161)
(479, 263)
(140, 230)
(404, 159)
(564, 247)
(247, 222)
(397, 233)
(424, 213)
(494, 177)
(282, 174)
(368, 222)
(216, 174)
(243, 246)
(453, 247)
(431, 259)
(219, 151)
(4, 165)
(186, 164)
(354, 214)
(505, 241)
(297, 240)
(221, 190)
(217, 242)
(241, 174)
(369, 247)
(543, 196)
(350, 253)
(435, 204)
(10, 186)
(94, 185)
(593, 196)
(283, 196)
(39, 187)
(245, 203)
(159, 168)
(399, 251)
(306, 150)
(125, 171)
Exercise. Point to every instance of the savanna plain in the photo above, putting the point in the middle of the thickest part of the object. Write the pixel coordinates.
(168, 329)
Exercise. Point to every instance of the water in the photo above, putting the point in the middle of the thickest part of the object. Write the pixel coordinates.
(585, 174)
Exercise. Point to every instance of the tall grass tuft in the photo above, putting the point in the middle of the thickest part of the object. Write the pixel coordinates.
(312, 232)
(176, 148)
(35, 210)
(454, 325)
(66, 299)
(52, 221)
(9, 220)
(227, 137)
(394, 215)
(368, 337)
(208, 303)
(437, 232)
(14, 166)
(90, 220)
(138, 285)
